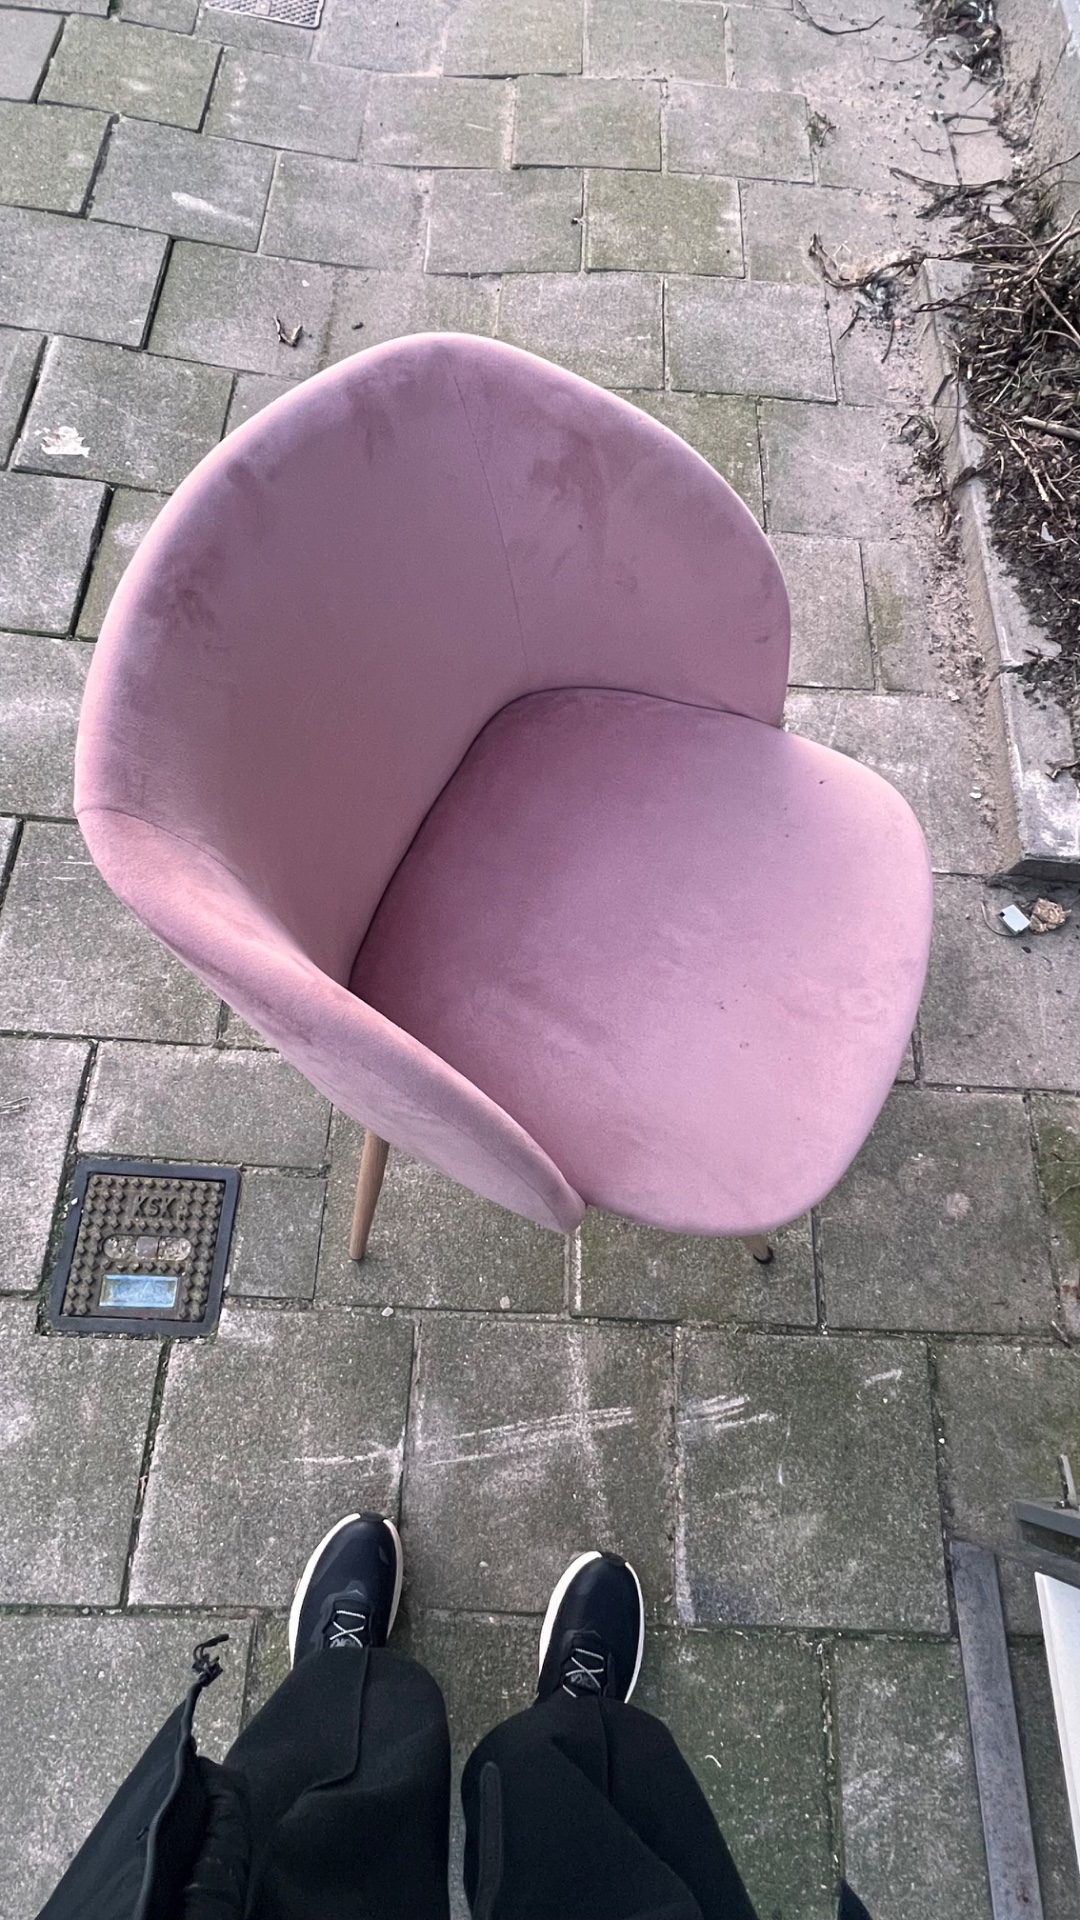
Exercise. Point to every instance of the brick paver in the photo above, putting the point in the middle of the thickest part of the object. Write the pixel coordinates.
(630, 187)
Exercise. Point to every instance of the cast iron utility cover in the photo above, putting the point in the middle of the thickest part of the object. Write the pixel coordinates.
(144, 1248)
(296, 13)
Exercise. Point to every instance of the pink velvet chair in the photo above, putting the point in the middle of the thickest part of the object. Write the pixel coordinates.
(437, 726)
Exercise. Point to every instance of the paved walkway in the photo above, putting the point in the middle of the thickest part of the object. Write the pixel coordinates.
(633, 193)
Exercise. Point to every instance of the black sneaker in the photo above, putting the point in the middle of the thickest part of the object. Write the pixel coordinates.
(593, 1634)
(347, 1595)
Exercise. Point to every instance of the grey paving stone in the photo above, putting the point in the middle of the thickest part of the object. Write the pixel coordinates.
(19, 353)
(809, 1493)
(433, 1243)
(898, 602)
(420, 120)
(383, 35)
(47, 529)
(738, 336)
(923, 747)
(251, 393)
(26, 41)
(747, 1715)
(7, 841)
(1056, 1125)
(275, 1241)
(278, 102)
(293, 1418)
(220, 306)
(58, 905)
(130, 517)
(177, 16)
(721, 428)
(68, 1508)
(1007, 1411)
(626, 1272)
(533, 36)
(938, 1224)
(41, 686)
(334, 211)
(183, 183)
(724, 130)
(135, 70)
(526, 1440)
(605, 326)
(663, 222)
(657, 39)
(830, 636)
(886, 132)
(913, 1845)
(48, 154)
(520, 222)
(777, 50)
(136, 418)
(781, 218)
(587, 123)
(998, 1012)
(41, 1081)
(203, 1103)
(81, 1699)
(84, 6)
(68, 276)
(370, 307)
(269, 1662)
(833, 470)
(1055, 1853)
(239, 1034)
(255, 35)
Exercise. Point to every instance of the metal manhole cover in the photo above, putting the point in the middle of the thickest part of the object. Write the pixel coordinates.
(295, 13)
(144, 1248)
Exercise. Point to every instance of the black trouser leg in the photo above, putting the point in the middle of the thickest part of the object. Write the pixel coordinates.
(580, 1808)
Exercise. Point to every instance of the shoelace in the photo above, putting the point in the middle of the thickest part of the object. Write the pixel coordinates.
(584, 1671)
(340, 1634)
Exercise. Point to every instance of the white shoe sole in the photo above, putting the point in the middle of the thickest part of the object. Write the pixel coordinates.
(559, 1595)
(307, 1576)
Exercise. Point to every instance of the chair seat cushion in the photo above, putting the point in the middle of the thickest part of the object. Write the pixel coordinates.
(682, 948)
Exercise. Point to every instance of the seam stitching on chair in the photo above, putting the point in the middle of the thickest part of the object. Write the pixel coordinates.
(498, 521)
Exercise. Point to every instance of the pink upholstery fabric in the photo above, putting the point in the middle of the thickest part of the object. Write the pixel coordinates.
(683, 948)
(319, 625)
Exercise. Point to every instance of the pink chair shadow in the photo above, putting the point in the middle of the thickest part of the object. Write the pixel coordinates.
(437, 726)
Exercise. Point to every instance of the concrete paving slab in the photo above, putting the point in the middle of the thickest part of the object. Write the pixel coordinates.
(747, 1714)
(133, 418)
(999, 1012)
(41, 686)
(278, 102)
(809, 1496)
(370, 307)
(898, 602)
(8, 831)
(223, 307)
(48, 154)
(81, 1699)
(722, 428)
(527, 221)
(627, 1272)
(129, 519)
(41, 1081)
(269, 1662)
(1056, 1127)
(19, 355)
(334, 211)
(293, 1419)
(426, 121)
(237, 1105)
(177, 16)
(74, 1422)
(833, 470)
(587, 123)
(58, 904)
(134, 70)
(47, 531)
(383, 35)
(26, 41)
(775, 49)
(67, 276)
(251, 393)
(253, 34)
(433, 1243)
(663, 222)
(738, 336)
(939, 1223)
(84, 6)
(830, 634)
(528, 1441)
(913, 1845)
(1055, 1852)
(1007, 1411)
(865, 146)
(923, 747)
(783, 216)
(182, 183)
(605, 326)
(533, 36)
(275, 1241)
(656, 40)
(758, 136)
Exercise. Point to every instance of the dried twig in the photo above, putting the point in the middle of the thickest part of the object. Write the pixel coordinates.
(801, 13)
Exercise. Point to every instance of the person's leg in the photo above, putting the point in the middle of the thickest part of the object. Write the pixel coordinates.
(584, 1805)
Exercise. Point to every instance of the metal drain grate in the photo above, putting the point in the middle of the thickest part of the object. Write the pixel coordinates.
(144, 1248)
(295, 13)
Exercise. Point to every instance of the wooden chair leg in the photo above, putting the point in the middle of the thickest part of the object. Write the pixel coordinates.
(758, 1245)
(372, 1168)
